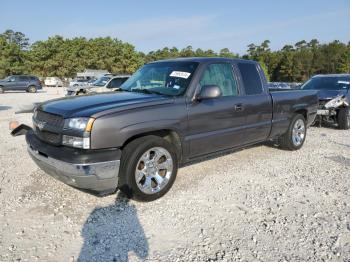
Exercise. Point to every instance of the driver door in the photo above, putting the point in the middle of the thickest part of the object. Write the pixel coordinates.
(216, 124)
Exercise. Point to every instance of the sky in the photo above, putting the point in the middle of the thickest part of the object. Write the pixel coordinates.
(207, 24)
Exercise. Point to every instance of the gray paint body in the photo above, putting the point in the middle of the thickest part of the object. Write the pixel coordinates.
(203, 126)
(210, 125)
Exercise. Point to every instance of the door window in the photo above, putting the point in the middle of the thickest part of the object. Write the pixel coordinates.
(115, 83)
(220, 75)
(23, 78)
(13, 79)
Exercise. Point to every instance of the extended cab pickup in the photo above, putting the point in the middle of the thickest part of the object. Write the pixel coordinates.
(168, 113)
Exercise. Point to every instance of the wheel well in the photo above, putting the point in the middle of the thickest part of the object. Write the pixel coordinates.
(302, 112)
(169, 135)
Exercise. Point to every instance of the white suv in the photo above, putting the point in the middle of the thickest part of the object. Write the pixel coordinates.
(53, 81)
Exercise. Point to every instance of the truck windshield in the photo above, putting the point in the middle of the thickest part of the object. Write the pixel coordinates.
(327, 83)
(165, 78)
(101, 81)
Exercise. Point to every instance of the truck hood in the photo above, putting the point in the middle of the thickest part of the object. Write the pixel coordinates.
(330, 94)
(100, 104)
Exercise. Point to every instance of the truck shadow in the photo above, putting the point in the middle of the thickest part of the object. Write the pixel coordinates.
(112, 233)
(344, 161)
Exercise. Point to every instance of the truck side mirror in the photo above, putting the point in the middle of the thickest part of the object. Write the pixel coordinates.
(209, 92)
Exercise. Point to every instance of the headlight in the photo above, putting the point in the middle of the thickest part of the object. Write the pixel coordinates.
(81, 123)
(74, 141)
(84, 126)
(336, 102)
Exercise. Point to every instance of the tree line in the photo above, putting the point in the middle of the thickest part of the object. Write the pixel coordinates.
(63, 57)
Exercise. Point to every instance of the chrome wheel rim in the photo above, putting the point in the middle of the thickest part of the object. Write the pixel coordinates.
(298, 133)
(154, 170)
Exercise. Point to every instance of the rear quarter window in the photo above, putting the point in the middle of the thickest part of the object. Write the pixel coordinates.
(251, 78)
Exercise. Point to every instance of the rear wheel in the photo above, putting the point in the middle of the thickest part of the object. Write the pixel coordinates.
(344, 118)
(1, 90)
(295, 136)
(148, 168)
(32, 89)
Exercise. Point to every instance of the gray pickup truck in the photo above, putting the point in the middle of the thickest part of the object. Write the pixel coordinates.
(168, 113)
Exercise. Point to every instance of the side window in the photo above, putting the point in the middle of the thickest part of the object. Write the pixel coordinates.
(116, 82)
(220, 75)
(14, 78)
(23, 78)
(251, 78)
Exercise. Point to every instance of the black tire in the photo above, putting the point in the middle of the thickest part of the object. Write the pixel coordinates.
(286, 141)
(80, 93)
(344, 118)
(131, 155)
(32, 89)
(1, 90)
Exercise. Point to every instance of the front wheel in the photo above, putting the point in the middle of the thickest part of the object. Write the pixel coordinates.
(148, 168)
(295, 136)
(344, 118)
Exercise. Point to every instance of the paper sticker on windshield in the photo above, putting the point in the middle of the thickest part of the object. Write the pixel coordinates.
(180, 74)
(344, 82)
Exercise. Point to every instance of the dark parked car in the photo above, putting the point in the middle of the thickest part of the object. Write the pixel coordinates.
(20, 82)
(334, 98)
(168, 113)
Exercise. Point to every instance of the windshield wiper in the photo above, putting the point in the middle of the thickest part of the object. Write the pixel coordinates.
(146, 91)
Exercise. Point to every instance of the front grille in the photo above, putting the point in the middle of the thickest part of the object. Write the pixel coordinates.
(47, 127)
(47, 136)
(49, 119)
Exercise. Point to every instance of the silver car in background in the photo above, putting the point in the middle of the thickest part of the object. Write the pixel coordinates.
(79, 82)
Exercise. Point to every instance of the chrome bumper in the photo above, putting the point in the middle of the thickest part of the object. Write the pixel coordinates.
(100, 177)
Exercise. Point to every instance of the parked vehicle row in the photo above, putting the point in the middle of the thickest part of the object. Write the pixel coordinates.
(283, 85)
(105, 83)
(167, 114)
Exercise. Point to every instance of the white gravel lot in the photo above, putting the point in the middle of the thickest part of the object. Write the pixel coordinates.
(257, 204)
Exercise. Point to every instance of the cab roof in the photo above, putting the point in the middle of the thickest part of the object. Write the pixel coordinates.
(203, 60)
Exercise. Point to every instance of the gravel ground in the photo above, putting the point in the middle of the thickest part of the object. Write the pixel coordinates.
(257, 204)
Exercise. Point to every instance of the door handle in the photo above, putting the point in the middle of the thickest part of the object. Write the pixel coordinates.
(238, 108)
